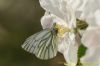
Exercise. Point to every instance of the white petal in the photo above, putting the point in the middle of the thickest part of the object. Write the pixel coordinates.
(48, 20)
(63, 43)
(61, 9)
(51, 6)
(71, 54)
(69, 49)
(89, 10)
(91, 58)
(68, 13)
(78, 6)
(91, 37)
(97, 17)
(86, 10)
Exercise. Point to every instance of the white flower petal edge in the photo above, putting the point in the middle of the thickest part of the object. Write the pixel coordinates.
(78, 6)
(48, 20)
(86, 10)
(92, 57)
(91, 39)
(89, 10)
(59, 11)
(89, 14)
(71, 54)
(69, 49)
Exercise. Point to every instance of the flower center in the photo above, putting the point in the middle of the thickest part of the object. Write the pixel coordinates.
(61, 30)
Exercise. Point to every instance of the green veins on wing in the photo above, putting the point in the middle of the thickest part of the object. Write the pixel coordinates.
(43, 44)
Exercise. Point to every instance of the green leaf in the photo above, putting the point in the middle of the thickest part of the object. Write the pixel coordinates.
(81, 52)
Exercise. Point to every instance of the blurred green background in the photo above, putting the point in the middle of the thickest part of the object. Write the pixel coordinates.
(18, 20)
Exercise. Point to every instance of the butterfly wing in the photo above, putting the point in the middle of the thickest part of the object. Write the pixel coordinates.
(43, 44)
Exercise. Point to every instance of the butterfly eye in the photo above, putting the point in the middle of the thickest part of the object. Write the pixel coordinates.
(55, 31)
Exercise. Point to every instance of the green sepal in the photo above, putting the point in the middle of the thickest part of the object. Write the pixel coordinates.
(81, 24)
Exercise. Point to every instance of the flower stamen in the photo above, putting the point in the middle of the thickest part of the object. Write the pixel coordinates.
(62, 30)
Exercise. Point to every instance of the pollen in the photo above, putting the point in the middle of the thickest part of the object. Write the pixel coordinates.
(61, 30)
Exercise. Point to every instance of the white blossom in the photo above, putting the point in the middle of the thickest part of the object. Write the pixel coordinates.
(58, 11)
(89, 10)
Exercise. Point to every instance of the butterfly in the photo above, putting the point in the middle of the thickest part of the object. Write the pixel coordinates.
(43, 44)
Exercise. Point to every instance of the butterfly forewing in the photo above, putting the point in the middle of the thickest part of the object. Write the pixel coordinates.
(43, 44)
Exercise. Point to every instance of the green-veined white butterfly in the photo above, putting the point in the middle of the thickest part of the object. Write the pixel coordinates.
(43, 44)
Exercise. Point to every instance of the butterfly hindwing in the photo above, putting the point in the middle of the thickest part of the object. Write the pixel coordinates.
(43, 44)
